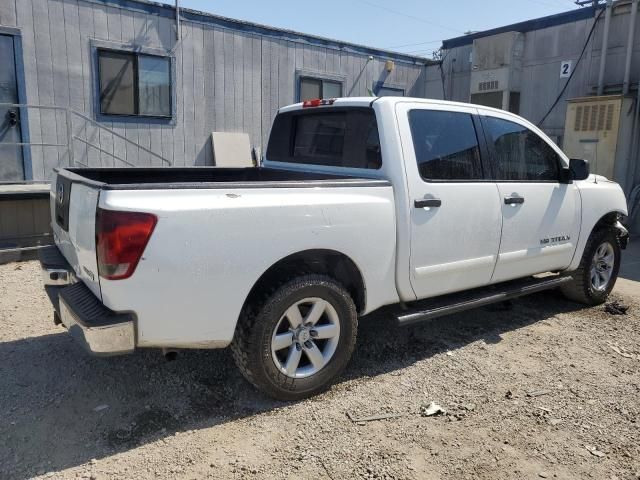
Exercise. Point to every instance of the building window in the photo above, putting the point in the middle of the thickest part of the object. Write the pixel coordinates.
(311, 88)
(385, 91)
(134, 84)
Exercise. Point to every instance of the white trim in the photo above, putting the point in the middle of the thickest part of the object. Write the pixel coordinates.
(471, 264)
(547, 250)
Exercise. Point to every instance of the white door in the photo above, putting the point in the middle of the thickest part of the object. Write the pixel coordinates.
(455, 213)
(541, 215)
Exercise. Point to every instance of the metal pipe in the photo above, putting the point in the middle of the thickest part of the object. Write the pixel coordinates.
(178, 30)
(605, 46)
(86, 119)
(170, 354)
(630, 40)
(69, 138)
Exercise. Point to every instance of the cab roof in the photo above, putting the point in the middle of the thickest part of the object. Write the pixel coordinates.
(368, 101)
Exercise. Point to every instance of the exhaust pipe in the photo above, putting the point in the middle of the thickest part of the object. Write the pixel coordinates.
(170, 354)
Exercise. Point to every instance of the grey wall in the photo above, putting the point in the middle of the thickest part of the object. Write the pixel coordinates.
(544, 51)
(226, 79)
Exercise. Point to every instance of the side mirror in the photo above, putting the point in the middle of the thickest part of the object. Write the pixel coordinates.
(579, 169)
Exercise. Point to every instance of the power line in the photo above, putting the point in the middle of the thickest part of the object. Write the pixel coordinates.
(575, 68)
(546, 3)
(415, 44)
(413, 17)
(420, 52)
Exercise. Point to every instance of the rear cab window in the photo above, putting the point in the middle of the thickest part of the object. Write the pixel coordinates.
(332, 137)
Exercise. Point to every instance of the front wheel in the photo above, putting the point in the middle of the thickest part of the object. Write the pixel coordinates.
(598, 271)
(299, 339)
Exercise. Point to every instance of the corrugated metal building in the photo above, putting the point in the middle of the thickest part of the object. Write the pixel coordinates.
(139, 96)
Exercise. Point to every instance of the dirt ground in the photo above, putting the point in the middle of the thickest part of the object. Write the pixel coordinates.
(539, 389)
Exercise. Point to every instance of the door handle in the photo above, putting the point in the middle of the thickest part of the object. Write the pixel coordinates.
(513, 200)
(427, 203)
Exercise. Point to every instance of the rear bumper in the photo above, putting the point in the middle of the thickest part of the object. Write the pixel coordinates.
(100, 330)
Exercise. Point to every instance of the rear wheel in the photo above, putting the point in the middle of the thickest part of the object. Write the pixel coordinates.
(598, 271)
(299, 339)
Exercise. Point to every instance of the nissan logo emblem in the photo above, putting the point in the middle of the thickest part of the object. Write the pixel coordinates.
(60, 193)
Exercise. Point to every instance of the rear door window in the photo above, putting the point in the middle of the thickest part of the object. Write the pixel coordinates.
(446, 145)
(333, 137)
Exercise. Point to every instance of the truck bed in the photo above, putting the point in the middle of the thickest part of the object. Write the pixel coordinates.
(208, 177)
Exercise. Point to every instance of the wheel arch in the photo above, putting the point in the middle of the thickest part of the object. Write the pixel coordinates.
(319, 261)
(607, 220)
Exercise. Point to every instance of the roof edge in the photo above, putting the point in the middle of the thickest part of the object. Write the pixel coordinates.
(526, 26)
(168, 11)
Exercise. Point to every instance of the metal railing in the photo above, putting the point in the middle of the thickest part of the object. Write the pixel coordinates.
(75, 125)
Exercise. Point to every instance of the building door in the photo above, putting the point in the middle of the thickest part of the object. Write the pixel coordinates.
(11, 165)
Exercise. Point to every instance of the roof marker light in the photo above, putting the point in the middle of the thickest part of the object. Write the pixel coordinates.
(317, 102)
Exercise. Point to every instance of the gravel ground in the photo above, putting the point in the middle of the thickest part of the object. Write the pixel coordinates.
(540, 388)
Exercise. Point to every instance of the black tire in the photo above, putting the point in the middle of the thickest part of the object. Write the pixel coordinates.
(581, 289)
(251, 345)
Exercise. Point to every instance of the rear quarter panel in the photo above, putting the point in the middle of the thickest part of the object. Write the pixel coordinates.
(210, 246)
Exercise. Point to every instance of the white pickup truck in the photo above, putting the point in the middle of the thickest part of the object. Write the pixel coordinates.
(425, 206)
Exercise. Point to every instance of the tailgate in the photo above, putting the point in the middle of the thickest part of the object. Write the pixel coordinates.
(73, 220)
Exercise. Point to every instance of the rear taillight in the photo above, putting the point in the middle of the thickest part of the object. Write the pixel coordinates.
(121, 238)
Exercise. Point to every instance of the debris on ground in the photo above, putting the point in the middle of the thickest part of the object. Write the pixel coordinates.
(99, 408)
(538, 393)
(431, 410)
(373, 418)
(621, 352)
(594, 451)
(508, 395)
(616, 308)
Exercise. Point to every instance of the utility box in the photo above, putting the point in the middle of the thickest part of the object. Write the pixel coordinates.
(496, 75)
(599, 129)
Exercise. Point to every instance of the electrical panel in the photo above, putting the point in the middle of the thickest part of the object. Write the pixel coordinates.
(595, 129)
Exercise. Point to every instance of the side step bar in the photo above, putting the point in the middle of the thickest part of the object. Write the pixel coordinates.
(459, 302)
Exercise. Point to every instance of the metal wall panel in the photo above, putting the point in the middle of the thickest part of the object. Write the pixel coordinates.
(8, 13)
(545, 49)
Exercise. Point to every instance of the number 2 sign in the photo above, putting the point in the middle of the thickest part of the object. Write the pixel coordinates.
(565, 68)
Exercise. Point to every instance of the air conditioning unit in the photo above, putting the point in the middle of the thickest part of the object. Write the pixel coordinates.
(598, 129)
(496, 74)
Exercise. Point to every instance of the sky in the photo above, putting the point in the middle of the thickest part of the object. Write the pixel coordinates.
(410, 26)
